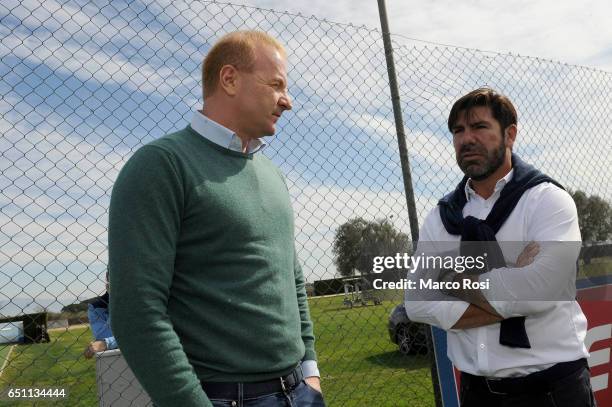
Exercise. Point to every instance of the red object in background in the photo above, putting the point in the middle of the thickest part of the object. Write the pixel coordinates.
(598, 342)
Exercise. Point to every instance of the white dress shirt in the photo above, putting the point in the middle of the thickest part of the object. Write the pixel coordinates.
(225, 137)
(556, 329)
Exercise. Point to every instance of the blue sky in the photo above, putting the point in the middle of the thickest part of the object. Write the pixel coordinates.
(83, 87)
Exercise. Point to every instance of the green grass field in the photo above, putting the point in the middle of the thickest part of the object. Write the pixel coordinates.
(358, 363)
(4, 350)
(58, 363)
(601, 266)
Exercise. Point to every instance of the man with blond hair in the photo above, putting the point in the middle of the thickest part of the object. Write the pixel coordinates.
(209, 305)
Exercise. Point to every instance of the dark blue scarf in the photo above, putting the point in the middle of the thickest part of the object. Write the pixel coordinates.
(512, 330)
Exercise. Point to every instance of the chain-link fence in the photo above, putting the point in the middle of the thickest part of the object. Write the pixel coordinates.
(83, 86)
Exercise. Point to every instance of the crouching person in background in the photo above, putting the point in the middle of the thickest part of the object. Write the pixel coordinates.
(99, 321)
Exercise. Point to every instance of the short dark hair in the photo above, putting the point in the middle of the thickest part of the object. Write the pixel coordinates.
(501, 107)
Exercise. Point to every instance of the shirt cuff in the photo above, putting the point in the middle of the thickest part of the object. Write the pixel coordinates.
(111, 343)
(310, 368)
(452, 314)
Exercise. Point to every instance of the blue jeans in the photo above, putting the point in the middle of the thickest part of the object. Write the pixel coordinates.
(301, 396)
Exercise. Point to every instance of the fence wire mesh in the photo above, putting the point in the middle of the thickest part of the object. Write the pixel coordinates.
(83, 86)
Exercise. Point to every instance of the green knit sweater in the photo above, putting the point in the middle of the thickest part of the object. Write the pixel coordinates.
(204, 277)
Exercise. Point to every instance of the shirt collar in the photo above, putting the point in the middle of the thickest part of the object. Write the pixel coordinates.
(469, 192)
(221, 135)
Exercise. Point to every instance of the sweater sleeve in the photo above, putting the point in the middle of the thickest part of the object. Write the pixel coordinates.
(310, 356)
(144, 223)
(306, 322)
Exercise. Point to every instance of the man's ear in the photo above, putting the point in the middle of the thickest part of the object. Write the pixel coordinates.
(510, 134)
(228, 79)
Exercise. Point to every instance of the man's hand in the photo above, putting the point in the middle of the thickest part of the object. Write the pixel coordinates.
(314, 382)
(93, 348)
(528, 254)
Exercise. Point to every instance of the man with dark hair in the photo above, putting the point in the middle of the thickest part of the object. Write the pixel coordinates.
(209, 304)
(520, 342)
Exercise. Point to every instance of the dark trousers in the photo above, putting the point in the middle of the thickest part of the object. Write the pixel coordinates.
(574, 390)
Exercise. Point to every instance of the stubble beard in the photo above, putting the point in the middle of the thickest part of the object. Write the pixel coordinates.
(493, 160)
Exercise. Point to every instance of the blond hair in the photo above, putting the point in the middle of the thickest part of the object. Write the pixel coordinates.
(236, 49)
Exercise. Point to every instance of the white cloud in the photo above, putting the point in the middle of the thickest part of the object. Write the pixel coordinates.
(572, 32)
(92, 45)
(54, 209)
(320, 209)
(58, 205)
(52, 257)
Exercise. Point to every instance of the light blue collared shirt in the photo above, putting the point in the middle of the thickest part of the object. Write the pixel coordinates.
(221, 135)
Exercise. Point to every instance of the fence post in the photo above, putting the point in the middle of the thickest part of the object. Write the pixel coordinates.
(406, 175)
